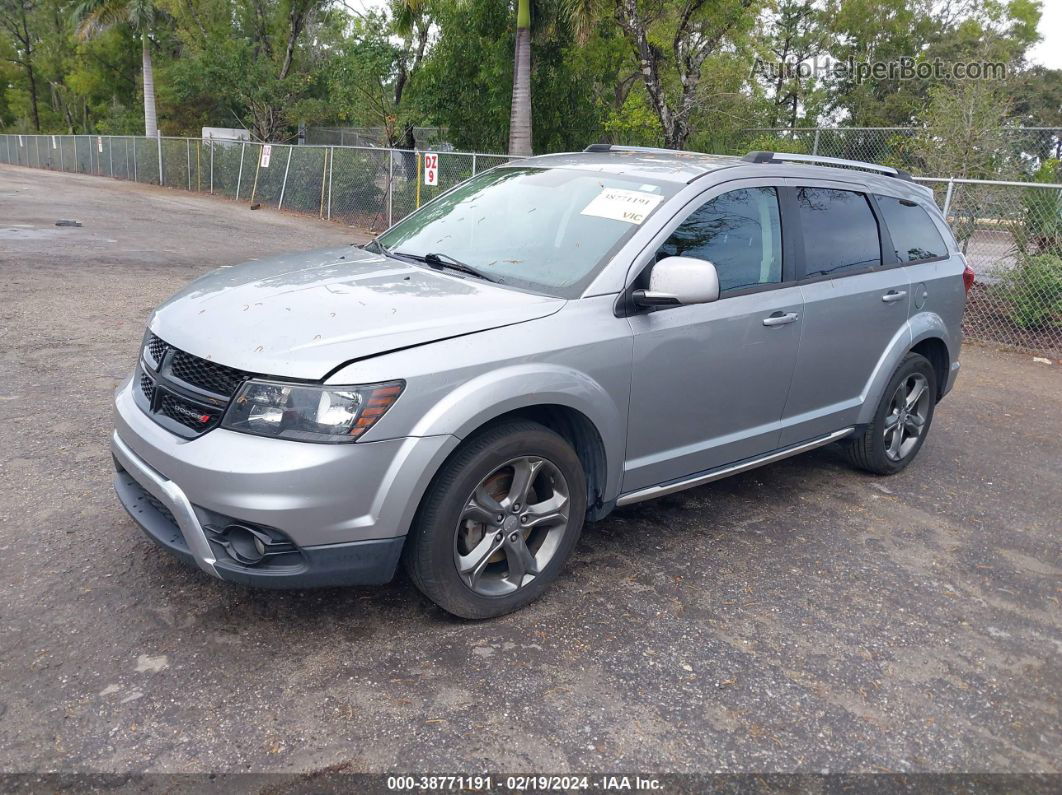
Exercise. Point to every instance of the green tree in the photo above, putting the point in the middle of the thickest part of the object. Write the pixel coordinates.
(672, 41)
(14, 18)
(96, 16)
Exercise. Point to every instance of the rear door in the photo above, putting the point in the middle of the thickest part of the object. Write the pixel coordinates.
(856, 298)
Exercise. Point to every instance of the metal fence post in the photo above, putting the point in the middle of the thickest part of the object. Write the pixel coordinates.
(418, 180)
(331, 164)
(815, 143)
(473, 164)
(110, 156)
(188, 160)
(284, 184)
(211, 166)
(390, 186)
(947, 198)
(62, 165)
(158, 142)
(239, 176)
(134, 161)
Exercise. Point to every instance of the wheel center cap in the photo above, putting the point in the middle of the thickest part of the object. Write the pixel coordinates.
(510, 523)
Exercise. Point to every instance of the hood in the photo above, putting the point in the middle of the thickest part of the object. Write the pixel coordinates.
(302, 315)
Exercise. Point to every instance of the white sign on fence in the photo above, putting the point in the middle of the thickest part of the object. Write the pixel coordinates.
(99, 143)
(53, 143)
(431, 168)
(267, 152)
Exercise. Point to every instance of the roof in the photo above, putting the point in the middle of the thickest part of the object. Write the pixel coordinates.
(666, 165)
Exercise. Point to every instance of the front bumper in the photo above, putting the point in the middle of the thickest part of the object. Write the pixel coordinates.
(341, 510)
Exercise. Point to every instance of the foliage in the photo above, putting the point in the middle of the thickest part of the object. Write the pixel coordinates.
(1034, 289)
(655, 72)
(1041, 227)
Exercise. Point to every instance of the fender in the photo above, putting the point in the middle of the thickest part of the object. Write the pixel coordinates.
(492, 394)
(922, 326)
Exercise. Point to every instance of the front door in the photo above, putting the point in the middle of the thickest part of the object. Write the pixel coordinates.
(710, 381)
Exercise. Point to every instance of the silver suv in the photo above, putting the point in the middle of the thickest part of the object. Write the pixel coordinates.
(543, 342)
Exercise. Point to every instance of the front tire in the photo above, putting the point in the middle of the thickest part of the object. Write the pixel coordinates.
(498, 522)
(901, 421)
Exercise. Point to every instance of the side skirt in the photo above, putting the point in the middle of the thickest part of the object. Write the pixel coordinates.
(731, 469)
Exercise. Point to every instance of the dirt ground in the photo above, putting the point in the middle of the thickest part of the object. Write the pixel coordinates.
(801, 617)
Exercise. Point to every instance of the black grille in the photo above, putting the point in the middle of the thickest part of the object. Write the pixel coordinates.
(156, 348)
(184, 393)
(206, 375)
(188, 414)
(147, 386)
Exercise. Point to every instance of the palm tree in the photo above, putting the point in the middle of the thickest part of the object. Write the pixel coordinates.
(95, 16)
(520, 114)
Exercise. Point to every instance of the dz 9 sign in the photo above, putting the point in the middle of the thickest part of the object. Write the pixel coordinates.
(431, 168)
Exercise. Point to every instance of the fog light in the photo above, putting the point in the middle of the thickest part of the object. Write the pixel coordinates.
(244, 544)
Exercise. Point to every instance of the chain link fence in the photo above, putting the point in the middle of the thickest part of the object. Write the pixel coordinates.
(1011, 235)
(1010, 232)
(1014, 150)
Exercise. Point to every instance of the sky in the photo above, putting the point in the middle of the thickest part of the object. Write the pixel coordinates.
(1049, 51)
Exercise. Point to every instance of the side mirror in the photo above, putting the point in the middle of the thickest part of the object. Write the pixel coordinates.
(680, 280)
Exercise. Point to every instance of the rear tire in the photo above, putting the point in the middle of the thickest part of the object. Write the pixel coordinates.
(498, 522)
(901, 421)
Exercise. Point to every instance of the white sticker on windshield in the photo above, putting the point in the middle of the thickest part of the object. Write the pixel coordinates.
(618, 204)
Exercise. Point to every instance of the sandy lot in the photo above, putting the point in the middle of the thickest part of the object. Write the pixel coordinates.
(800, 617)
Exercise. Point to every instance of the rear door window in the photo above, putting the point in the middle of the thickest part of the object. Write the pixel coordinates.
(914, 235)
(840, 231)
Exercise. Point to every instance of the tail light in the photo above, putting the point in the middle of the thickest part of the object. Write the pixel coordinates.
(968, 275)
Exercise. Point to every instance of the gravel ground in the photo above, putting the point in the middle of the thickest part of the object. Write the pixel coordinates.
(802, 617)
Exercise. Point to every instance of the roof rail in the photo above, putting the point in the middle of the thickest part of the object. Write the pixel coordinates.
(790, 157)
(618, 148)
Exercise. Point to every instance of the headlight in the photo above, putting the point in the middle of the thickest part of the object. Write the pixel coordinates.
(309, 413)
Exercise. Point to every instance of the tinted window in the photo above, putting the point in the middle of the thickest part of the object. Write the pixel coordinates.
(913, 233)
(840, 232)
(739, 232)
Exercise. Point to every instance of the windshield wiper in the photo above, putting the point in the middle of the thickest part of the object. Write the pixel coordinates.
(438, 260)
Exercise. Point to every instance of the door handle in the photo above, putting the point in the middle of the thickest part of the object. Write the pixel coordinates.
(892, 296)
(780, 318)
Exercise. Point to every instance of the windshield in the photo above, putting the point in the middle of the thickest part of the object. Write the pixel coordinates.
(547, 230)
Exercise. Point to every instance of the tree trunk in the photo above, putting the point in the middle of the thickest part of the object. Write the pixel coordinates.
(32, 76)
(151, 126)
(520, 114)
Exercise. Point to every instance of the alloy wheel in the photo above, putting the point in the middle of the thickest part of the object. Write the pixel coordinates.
(512, 525)
(907, 415)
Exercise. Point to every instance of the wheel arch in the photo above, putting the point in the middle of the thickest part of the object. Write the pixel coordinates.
(924, 333)
(580, 432)
(936, 351)
(565, 400)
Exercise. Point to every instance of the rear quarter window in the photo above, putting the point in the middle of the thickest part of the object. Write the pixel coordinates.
(914, 235)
